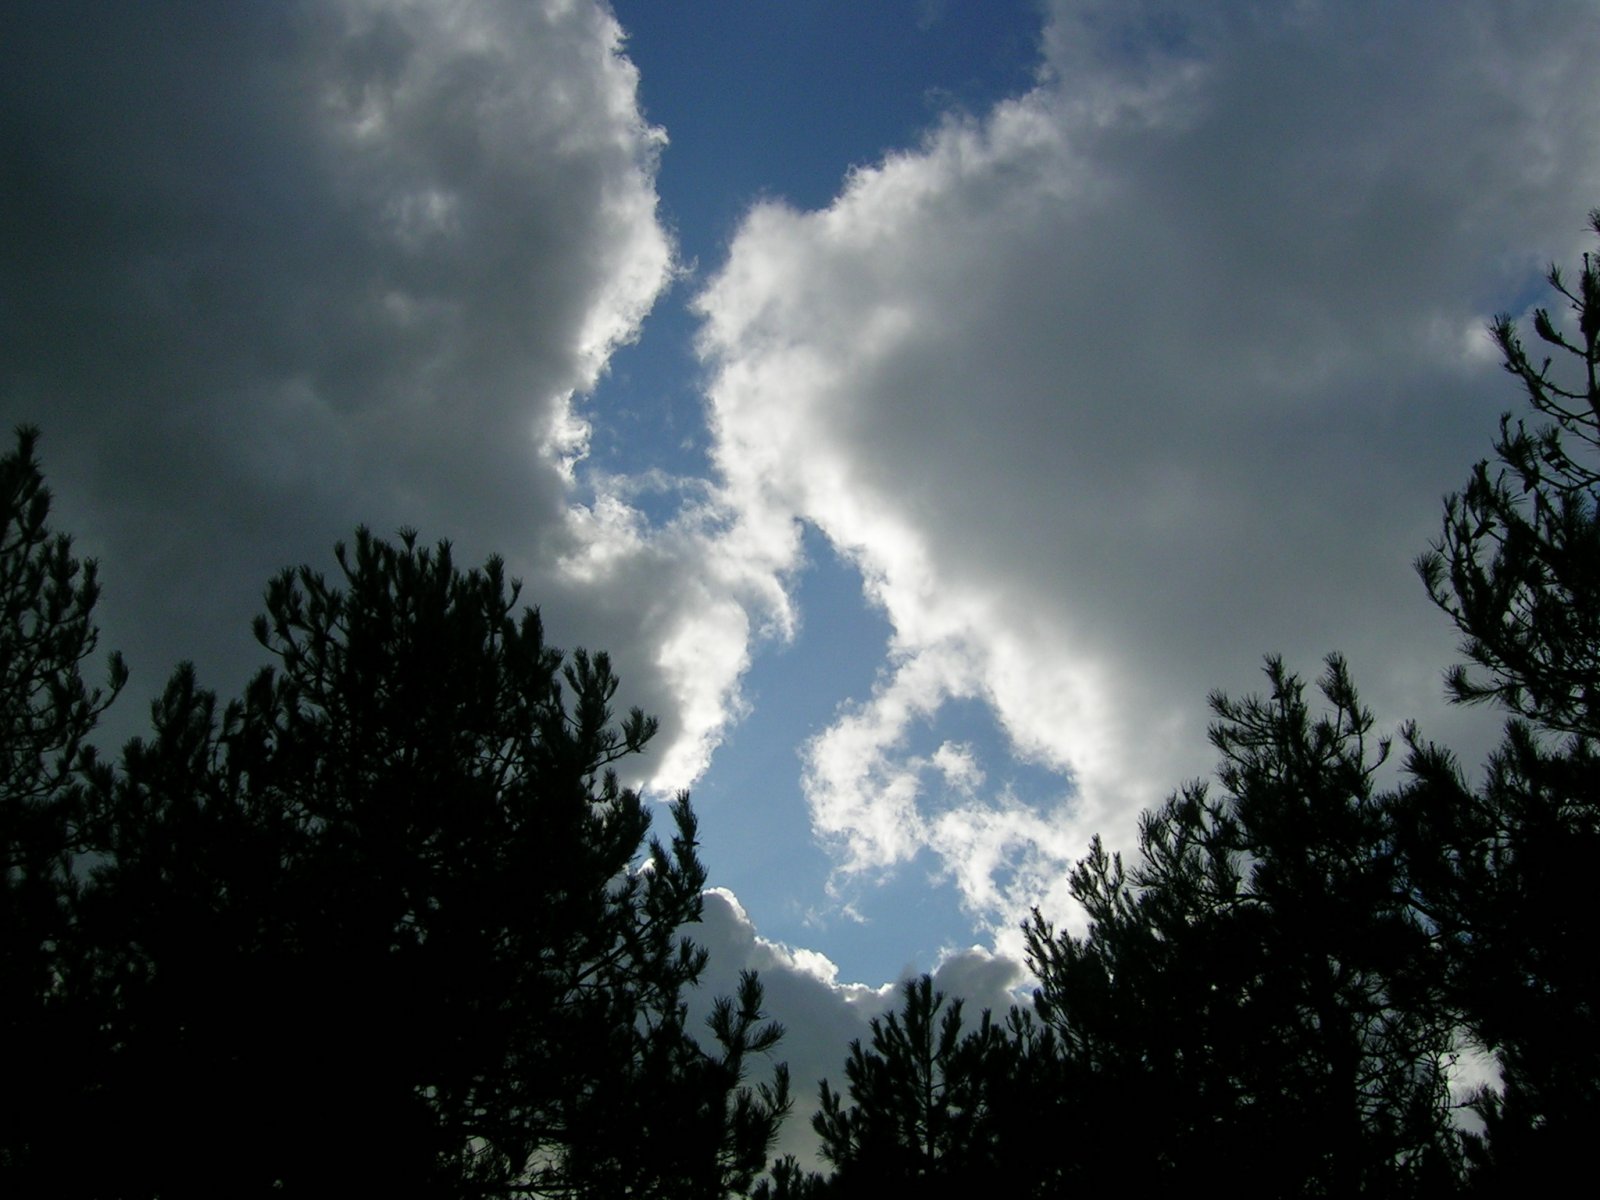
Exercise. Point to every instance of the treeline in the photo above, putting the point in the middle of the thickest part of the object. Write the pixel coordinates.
(387, 923)
(1275, 992)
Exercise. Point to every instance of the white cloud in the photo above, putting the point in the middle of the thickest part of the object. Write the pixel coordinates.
(1154, 370)
(958, 767)
(686, 602)
(981, 980)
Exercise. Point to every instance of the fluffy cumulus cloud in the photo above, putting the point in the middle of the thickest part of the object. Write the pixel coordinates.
(274, 270)
(1155, 369)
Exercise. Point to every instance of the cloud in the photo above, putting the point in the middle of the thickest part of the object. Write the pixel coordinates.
(1158, 367)
(821, 1015)
(271, 271)
(1155, 369)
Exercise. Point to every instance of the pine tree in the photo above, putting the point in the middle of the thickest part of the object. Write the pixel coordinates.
(47, 600)
(386, 924)
(1502, 869)
(1250, 987)
(1518, 566)
(946, 1110)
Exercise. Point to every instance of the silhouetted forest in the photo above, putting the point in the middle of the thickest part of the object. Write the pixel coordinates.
(378, 927)
(387, 923)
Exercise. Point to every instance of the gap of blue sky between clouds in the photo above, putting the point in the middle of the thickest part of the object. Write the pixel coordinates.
(779, 102)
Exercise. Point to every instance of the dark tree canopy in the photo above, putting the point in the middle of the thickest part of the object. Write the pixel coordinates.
(47, 598)
(46, 712)
(1248, 986)
(934, 1106)
(1518, 566)
(1504, 869)
(381, 926)
(1504, 872)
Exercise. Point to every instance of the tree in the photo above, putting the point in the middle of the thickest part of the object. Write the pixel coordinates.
(1503, 869)
(1503, 873)
(682, 1125)
(47, 599)
(788, 1180)
(1518, 566)
(383, 924)
(919, 1096)
(932, 1107)
(1251, 987)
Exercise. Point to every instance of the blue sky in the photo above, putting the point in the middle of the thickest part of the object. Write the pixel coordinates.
(926, 404)
(778, 100)
(774, 98)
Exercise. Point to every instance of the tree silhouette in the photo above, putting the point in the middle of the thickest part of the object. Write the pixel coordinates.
(932, 1106)
(919, 1100)
(1250, 988)
(383, 924)
(788, 1180)
(1503, 870)
(680, 1124)
(1503, 873)
(47, 711)
(1518, 566)
(47, 600)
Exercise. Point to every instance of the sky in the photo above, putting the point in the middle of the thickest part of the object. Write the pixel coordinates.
(927, 403)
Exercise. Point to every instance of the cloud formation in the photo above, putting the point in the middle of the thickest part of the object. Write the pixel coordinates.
(1155, 369)
(272, 271)
(1106, 392)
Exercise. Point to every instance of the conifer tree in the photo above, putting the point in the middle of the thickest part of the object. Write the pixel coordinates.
(1518, 566)
(932, 1105)
(1503, 869)
(1250, 987)
(47, 599)
(387, 924)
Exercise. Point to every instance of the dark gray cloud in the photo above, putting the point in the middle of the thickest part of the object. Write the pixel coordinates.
(269, 271)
